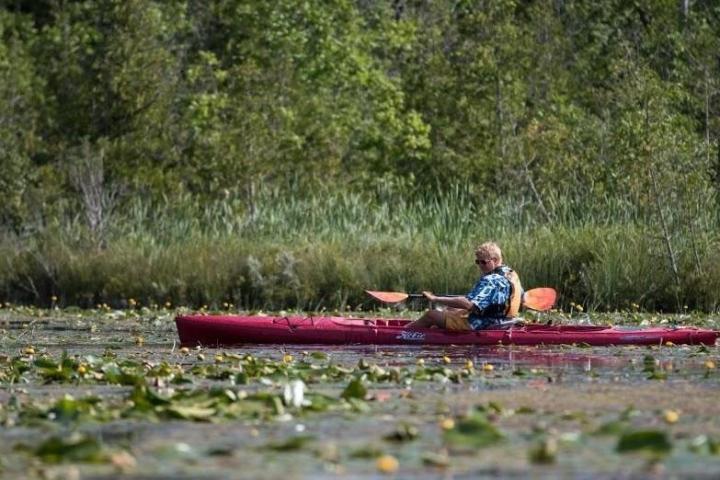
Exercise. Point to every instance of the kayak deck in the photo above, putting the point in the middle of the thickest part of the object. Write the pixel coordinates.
(224, 330)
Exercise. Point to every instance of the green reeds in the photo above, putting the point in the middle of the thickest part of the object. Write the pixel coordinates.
(323, 251)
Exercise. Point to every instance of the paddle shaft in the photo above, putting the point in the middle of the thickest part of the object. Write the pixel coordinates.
(420, 295)
(540, 299)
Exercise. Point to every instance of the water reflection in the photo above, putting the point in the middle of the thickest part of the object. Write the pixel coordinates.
(501, 355)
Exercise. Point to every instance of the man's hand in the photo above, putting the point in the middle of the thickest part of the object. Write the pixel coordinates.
(430, 296)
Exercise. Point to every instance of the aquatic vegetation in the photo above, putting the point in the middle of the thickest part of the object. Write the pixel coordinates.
(472, 431)
(653, 441)
(387, 464)
(75, 448)
(545, 451)
(90, 397)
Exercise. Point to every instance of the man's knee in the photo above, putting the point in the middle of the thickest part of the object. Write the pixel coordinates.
(438, 318)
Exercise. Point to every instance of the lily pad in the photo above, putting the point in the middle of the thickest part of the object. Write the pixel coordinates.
(434, 459)
(403, 433)
(653, 441)
(355, 389)
(705, 444)
(76, 448)
(366, 451)
(190, 412)
(657, 375)
(293, 443)
(613, 427)
(475, 431)
(67, 408)
(544, 452)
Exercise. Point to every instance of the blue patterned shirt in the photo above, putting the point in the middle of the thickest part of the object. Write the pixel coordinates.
(490, 296)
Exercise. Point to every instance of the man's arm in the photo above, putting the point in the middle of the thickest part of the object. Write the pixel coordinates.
(481, 295)
(454, 302)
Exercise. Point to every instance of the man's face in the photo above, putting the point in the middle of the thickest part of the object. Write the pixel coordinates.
(486, 264)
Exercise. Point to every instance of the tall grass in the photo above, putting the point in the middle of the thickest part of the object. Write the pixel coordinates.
(323, 251)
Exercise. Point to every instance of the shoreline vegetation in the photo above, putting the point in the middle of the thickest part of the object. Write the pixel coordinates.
(323, 252)
(291, 154)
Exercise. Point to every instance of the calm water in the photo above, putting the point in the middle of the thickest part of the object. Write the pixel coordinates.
(560, 395)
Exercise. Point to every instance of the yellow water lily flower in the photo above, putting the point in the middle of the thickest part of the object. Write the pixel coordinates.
(447, 423)
(671, 416)
(387, 464)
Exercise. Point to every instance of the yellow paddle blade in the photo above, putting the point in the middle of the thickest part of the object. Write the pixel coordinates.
(388, 297)
(540, 299)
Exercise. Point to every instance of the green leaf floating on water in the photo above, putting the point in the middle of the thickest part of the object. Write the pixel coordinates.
(320, 402)
(613, 427)
(653, 441)
(358, 405)
(544, 452)
(76, 448)
(293, 443)
(649, 363)
(67, 408)
(474, 431)
(403, 433)
(367, 451)
(650, 366)
(355, 389)
(491, 407)
(191, 412)
(704, 444)
(145, 399)
(435, 459)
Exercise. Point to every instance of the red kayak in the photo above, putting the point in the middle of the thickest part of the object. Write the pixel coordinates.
(216, 330)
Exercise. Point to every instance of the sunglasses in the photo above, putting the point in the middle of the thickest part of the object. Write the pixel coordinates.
(482, 262)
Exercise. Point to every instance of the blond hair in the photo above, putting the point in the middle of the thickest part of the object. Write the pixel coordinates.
(490, 250)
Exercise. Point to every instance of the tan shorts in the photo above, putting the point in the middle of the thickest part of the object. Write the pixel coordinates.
(456, 319)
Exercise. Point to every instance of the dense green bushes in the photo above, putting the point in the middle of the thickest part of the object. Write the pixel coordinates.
(293, 152)
(544, 102)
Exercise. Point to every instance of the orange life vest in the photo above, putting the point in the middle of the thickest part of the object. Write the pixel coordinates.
(513, 306)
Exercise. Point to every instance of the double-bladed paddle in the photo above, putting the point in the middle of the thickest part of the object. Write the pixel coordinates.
(540, 299)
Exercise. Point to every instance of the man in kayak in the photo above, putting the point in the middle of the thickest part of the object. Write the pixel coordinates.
(495, 297)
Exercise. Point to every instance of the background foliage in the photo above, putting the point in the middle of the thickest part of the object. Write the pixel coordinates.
(292, 153)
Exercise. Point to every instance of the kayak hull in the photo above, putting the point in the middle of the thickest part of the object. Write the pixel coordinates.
(225, 330)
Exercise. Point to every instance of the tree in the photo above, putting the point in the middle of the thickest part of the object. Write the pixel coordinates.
(20, 94)
(288, 92)
(112, 72)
